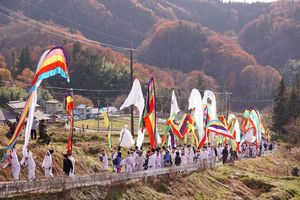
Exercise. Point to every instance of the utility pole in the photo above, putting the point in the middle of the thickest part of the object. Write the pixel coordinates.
(13, 57)
(227, 99)
(131, 83)
(107, 112)
(98, 117)
(72, 131)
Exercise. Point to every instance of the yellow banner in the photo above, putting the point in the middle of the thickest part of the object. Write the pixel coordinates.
(106, 120)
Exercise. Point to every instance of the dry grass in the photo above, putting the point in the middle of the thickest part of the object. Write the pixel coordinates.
(259, 178)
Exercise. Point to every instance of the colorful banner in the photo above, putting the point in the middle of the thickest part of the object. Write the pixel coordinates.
(51, 63)
(150, 113)
(107, 124)
(69, 110)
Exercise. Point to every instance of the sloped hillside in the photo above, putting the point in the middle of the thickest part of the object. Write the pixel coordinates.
(130, 20)
(187, 46)
(259, 178)
(273, 38)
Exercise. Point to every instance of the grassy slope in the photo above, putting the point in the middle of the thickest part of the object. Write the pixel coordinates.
(259, 178)
(268, 181)
(86, 147)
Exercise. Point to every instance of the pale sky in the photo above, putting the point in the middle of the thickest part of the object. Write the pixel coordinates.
(248, 1)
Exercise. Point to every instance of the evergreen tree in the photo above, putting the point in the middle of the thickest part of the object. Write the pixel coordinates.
(76, 49)
(25, 60)
(13, 64)
(200, 83)
(294, 99)
(280, 113)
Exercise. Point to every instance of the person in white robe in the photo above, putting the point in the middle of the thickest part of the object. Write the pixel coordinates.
(139, 160)
(162, 158)
(103, 160)
(183, 158)
(114, 154)
(210, 155)
(190, 155)
(151, 161)
(254, 152)
(129, 162)
(15, 165)
(247, 151)
(47, 164)
(205, 157)
(173, 155)
(132, 158)
(31, 166)
(157, 160)
(219, 152)
(72, 159)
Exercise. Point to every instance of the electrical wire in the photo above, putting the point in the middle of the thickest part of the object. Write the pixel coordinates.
(33, 23)
(76, 23)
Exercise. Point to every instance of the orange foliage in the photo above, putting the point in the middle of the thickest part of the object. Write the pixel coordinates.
(258, 81)
(2, 62)
(5, 74)
(26, 76)
(207, 82)
(274, 37)
(163, 77)
(78, 99)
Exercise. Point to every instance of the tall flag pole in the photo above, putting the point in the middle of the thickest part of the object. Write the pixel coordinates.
(150, 113)
(70, 112)
(196, 105)
(174, 106)
(107, 124)
(131, 83)
(52, 62)
(136, 98)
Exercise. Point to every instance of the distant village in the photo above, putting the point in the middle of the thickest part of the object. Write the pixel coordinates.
(53, 111)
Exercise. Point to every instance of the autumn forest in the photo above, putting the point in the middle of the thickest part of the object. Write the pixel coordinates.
(244, 49)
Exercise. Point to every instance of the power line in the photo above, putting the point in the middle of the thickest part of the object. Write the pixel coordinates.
(64, 34)
(76, 23)
(253, 101)
(33, 23)
(75, 89)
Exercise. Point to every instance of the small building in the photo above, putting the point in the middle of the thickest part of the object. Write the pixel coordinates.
(111, 109)
(54, 107)
(93, 113)
(7, 115)
(81, 111)
(17, 106)
(39, 115)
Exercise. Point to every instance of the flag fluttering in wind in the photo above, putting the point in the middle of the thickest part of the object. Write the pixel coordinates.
(150, 113)
(234, 129)
(212, 107)
(234, 125)
(107, 124)
(69, 110)
(136, 98)
(174, 106)
(185, 127)
(219, 128)
(252, 127)
(69, 104)
(52, 62)
(170, 125)
(195, 104)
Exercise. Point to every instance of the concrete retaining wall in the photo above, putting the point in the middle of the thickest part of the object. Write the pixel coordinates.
(57, 184)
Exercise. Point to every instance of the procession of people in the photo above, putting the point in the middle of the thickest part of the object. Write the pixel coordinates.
(139, 159)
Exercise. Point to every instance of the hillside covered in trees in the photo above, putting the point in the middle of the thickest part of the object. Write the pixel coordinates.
(242, 48)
